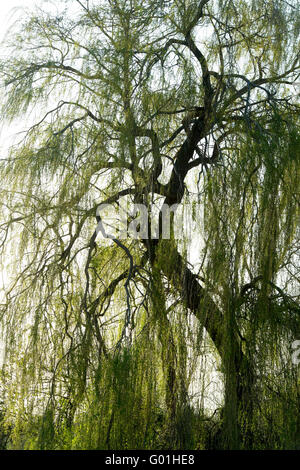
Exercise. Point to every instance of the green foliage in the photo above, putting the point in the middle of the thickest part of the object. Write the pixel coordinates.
(118, 344)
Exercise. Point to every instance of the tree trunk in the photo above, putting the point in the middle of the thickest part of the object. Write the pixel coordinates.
(239, 376)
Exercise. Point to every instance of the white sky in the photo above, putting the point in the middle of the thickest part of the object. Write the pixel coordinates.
(9, 12)
(6, 14)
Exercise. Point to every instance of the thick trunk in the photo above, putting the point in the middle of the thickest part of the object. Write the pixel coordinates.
(194, 295)
(239, 377)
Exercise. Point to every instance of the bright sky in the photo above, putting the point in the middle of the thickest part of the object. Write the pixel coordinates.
(6, 14)
(9, 12)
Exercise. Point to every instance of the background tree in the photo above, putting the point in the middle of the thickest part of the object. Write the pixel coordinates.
(142, 99)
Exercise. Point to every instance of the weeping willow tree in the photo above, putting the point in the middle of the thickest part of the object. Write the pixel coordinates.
(106, 341)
